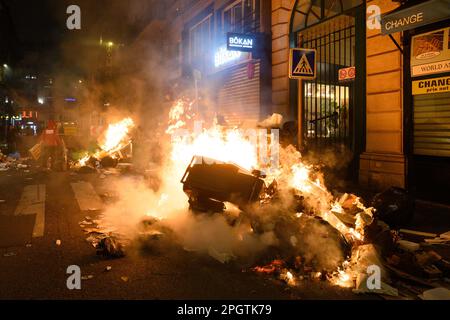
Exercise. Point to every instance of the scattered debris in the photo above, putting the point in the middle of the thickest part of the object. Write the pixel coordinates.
(361, 287)
(103, 238)
(58, 242)
(110, 247)
(442, 239)
(437, 241)
(445, 235)
(394, 206)
(436, 294)
(84, 223)
(408, 245)
(108, 162)
(124, 279)
(222, 257)
(407, 276)
(108, 268)
(86, 170)
(13, 161)
(418, 233)
(10, 254)
(88, 277)
(274, 267)
(151, 235)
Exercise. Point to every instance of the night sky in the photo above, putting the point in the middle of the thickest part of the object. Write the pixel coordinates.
(41, 25)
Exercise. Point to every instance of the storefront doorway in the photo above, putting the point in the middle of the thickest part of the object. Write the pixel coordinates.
(427, 111)
(331, 107)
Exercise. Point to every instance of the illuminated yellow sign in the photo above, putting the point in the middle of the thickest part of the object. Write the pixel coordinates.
(434, 85)
(70, 129)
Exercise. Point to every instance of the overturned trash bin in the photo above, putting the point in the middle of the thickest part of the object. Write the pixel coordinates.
(208, 183)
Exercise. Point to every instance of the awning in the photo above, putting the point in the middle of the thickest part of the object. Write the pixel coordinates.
(405, 18)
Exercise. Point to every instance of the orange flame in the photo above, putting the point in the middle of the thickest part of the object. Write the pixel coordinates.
(114, 139)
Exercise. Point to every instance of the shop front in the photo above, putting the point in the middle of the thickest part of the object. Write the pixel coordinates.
(225, 54)
(237, 78)
(426, 72)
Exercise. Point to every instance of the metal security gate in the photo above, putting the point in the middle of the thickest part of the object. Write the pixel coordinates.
(239, 98)
(327, 103)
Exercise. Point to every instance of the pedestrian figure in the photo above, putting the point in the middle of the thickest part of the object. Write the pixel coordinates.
(52, 146)
(12, 140)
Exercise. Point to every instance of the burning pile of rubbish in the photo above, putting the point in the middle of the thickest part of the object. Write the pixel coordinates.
(301, 229)
(111, 144)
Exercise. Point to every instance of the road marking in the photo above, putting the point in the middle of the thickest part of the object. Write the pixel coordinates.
(32, 201)
(86, 196)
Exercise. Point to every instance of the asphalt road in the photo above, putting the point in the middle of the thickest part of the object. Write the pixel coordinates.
(35, 267)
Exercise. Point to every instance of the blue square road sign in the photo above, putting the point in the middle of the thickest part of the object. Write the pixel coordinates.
(302, 63)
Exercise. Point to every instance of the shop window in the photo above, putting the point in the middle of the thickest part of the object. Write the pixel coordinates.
(200, 43)
(241, 16)
(327, 110)
(430, 53)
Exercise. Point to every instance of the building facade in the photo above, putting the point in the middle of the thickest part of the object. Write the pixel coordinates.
(8, 48)
(368, 104)
(396, 132)
(234, 85)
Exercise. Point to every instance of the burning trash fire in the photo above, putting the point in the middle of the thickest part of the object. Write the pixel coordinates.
(285, 219)
(230, 146)
(111, 142)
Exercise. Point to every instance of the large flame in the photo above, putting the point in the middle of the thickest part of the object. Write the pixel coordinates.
(115, 138)
(217, 143)
(227, 145)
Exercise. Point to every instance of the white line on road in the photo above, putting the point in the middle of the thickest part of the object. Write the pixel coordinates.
(86, 196)
(33, 202)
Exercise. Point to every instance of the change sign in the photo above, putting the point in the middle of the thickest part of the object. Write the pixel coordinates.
(434, 85)
(302, 63)
(406, 18)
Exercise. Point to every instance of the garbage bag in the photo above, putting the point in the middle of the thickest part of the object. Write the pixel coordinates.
(110, 247)
(395, 206)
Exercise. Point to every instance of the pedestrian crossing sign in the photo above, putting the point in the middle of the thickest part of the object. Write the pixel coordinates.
(302, 63)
